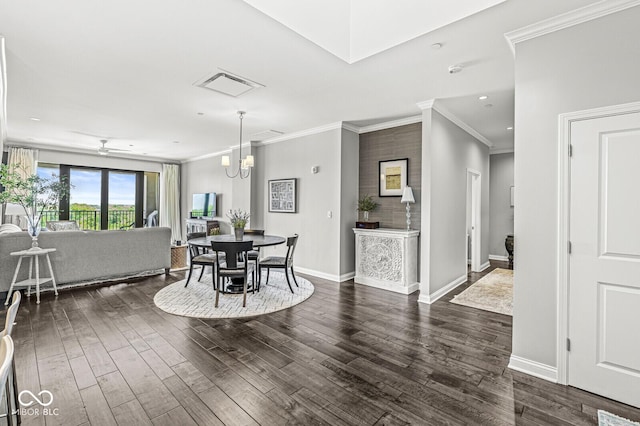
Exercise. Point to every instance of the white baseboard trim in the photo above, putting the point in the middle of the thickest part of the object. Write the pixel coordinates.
(533, 368)
(484, 266)
(498, 257)
(324, 275)
(430, 298)
(385, 285)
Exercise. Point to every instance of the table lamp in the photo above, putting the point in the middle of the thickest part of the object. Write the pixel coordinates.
(407, 197)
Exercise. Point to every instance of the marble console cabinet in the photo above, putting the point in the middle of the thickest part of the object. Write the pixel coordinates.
(387, 259)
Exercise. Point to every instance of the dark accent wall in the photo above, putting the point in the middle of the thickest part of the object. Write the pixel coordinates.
(391, 144)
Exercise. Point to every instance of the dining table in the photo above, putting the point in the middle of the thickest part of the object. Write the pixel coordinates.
(258, 241)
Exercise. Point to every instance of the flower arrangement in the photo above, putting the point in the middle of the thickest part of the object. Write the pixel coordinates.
(238, 218)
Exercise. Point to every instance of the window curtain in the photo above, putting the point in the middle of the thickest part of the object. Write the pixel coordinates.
(170, 200)
(23, 162)
(3, 101)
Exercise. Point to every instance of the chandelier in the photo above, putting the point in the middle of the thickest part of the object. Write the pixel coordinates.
(244, 164)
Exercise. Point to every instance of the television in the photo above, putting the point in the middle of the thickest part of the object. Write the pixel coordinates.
(204, 205)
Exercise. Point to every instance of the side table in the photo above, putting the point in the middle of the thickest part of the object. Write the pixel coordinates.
(32, 255)
(178, 257)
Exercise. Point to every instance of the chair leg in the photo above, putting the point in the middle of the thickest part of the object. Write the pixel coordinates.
(294, 277)
(189, 277)
(267, 282)
(286, 274)
(14, 383)
(217, 291)
(7, 391)
(201, 273)
(244, 292)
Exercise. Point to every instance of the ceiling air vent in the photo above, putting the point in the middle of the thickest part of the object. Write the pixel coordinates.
(264, 135)
(228, 84)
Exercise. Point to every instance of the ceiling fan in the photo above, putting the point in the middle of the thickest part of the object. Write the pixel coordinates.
(103, 150)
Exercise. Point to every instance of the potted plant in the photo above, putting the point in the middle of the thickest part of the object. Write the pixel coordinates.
(366, 205)
(238, 220)
(34, 193)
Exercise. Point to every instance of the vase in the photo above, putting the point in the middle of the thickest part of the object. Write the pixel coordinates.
(366, 216)
(34, 230)
(239, 233)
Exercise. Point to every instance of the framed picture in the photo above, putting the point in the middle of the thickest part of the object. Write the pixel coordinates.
(282, 196)
(393, 177)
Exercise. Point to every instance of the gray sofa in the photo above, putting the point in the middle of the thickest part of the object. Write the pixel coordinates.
(89, 255)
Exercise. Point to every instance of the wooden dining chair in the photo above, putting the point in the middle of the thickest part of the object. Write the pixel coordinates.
(12, 385)
(279, 262)
(6, 361)
(200, 256)
(231, 263)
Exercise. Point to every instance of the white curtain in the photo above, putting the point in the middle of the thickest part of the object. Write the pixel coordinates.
(170, 200)
(24, 158)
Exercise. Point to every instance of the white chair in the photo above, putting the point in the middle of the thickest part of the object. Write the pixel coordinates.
(9, 227)
(6, 360)
(12, 312)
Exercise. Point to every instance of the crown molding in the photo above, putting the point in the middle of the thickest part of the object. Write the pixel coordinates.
(464, 126)
(351, 127)
(426, 104)
(205, 156)
(302, 133)
(501, 151)
(391, 124)
(568, 19)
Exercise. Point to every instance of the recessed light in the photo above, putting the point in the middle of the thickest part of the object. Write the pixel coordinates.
(34, 119)
(130, 144)
(201, 113)
(488, 105)
(483, 97)
(436, 46)
(453, 69)
(510, 128)
(176, 141)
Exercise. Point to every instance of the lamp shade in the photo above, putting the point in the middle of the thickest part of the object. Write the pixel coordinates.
(225, 161)
(407, 195)
(14, 210)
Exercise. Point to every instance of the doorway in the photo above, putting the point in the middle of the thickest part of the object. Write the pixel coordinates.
(474, 197)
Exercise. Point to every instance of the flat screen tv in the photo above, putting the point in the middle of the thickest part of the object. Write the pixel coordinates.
(204, 205)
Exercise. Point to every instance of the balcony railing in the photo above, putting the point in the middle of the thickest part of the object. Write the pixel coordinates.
(91, 219)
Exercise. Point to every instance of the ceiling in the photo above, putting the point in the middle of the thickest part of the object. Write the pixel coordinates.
(125, 71)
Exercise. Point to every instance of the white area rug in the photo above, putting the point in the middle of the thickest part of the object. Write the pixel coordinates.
(493, 292)
(607, 419)
(198, 298)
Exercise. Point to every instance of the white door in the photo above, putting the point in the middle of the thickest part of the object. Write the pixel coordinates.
(475, 182)
(604, 264)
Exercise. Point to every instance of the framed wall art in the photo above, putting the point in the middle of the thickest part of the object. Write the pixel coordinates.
(393, 177)
(282, 196)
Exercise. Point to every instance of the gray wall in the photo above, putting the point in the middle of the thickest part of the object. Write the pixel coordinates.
(590, 65)
(348, 200)
(206, 175)
(391, 144)
(448, 151)
(501, 217)
(91, 160)
(318, 247)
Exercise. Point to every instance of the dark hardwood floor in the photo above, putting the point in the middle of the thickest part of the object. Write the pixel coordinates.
(350, 354)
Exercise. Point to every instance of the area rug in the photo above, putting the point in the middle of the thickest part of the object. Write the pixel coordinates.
(607, 419)
(493, 292)
(198, 298)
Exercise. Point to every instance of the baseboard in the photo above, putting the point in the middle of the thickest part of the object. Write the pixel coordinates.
(485, 266)
(533, 368)
(385, 285)
(324, 275)
(498, 257)
(430, 298)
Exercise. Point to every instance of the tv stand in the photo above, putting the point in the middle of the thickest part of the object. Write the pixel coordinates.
(201, 225)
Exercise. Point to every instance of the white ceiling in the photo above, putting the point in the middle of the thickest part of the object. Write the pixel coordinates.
(125, 70)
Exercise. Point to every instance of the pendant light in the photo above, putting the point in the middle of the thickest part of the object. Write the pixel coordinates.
(244, 164)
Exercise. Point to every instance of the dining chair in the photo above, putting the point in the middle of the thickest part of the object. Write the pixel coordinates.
(199, 256)
(279, 262)
(9, 322)
(231, 263)
(6, 360)
(254, 255)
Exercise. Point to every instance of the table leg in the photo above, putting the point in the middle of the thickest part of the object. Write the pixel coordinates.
(37, 282)
(53, 279)
(13, 281)
(30, 275)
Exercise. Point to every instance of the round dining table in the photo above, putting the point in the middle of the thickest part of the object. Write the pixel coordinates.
(258, 240)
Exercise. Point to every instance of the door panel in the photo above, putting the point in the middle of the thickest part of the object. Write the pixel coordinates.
(604, 266)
